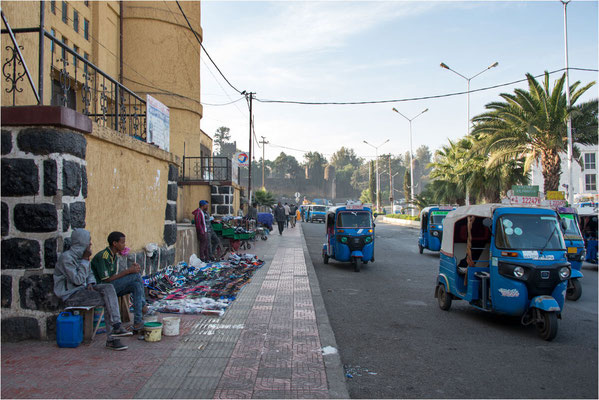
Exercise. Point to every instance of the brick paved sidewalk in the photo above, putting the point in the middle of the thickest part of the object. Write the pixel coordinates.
(267, 345)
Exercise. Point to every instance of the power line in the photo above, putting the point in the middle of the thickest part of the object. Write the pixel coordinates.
(202, 46)
(343, 103)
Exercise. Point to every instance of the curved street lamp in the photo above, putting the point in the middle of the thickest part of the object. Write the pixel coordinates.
(376, 173)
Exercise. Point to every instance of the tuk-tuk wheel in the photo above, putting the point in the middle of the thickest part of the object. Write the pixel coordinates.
(547, 325)
(443, 297)
(574, 290)
(356, 263)
(420, 248)
(325, 258)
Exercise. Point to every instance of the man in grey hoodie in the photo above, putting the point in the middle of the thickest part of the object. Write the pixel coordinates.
(75, 284)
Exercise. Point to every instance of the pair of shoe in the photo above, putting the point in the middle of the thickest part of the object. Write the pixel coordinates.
(115, 344)
(120, 331)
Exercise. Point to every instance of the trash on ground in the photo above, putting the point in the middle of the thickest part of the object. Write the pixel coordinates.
(351, 371)
(327, 350)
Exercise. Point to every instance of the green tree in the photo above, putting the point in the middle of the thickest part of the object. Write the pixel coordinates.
(264, 197)
(221, 136)
(315, 162)
(343, 157)
(286, 166)
(366, 196)
(532, 124)
(406, 186)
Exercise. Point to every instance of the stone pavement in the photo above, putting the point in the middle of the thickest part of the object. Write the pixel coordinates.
(267, 345)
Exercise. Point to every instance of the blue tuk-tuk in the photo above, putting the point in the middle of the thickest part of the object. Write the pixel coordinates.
(431, 227)
(350, 235)
(505, 259)
(576, 251)
(316, 213)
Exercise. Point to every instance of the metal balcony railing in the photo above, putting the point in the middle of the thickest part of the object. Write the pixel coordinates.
(207, 169)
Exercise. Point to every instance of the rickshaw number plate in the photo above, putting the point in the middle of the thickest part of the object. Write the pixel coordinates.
(572, 250)
(354, 207)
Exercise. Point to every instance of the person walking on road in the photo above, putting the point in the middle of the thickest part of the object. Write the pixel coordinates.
(280, 217)
(287, 212)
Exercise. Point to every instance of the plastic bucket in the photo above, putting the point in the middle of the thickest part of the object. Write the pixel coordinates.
(171, 326)
(152, 331)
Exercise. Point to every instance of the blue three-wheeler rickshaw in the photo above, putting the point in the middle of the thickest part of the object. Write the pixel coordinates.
(505, 259)
(431, 227)
(350, 235)
(576, 251)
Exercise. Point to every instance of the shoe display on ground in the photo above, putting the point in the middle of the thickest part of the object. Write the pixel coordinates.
(115, 344)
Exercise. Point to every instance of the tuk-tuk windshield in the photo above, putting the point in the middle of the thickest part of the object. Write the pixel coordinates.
(529, 232)
(572, 228)
(437, 217)
(354, 219)
(319, 208)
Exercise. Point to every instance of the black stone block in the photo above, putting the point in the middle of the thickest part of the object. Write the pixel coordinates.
(172, 192)
(217, 199)
(5, 219)
(173, 173)
(170, 234)
(50, 178)
(171, 212)
(43, 141)
(36, 217)
(84, 181)
(6, 142)
(19, 177)
(37, 293)
(213, 189)
(15, 329)
(51, 327)
(50, 254)
(77, 210)
(223, 210)
(66, 217)
(6, 291)
(71, 178)
(66, 244)
(18, 253)
(224, 189)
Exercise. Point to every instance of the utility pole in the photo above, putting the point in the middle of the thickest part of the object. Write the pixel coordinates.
(390, 184)
(251, 96)
(264, 143)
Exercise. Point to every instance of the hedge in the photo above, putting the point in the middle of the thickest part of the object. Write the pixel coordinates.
(404, 216)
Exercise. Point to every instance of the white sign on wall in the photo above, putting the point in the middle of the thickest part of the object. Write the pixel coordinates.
(157, 123)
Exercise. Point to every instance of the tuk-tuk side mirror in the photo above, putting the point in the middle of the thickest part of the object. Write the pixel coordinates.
(564, 224)
(488, 222)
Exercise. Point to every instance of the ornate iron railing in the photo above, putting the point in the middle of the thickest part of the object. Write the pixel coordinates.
(78, 84)
(207, 169)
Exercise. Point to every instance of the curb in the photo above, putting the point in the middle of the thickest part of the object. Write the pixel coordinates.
(332, 362)
(402, 222)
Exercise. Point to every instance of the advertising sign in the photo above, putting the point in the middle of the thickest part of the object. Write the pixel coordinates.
(555, 195)
(525, 200)
(157, 123)
(526, 190)
(242, 159)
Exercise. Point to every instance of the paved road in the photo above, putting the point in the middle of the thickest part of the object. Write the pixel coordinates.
(396, 342)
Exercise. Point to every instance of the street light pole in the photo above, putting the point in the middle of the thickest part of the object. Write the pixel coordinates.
(411, 155)
(569, 120)
(443, 65)
(376, 173)
(264, 143)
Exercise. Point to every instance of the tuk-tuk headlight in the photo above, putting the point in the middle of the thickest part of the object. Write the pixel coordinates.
(564, 273)
(343, 239)
(518, 272)
(435, 233)
(368, 239)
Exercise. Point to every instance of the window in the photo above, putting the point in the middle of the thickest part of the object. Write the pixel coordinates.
(86, 56)
(76, 20)
(590, 182)
(589, 161)
(53, 7)
(52, 41)
(65, 42)
(76, 49)
(86, 29)
(64, 12)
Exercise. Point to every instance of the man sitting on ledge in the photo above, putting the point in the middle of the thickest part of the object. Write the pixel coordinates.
(75, 284)
(104, 265)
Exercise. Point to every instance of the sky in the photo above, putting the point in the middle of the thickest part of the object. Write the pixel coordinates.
(351, 51)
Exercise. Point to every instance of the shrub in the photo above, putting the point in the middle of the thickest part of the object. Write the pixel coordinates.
(404, 216)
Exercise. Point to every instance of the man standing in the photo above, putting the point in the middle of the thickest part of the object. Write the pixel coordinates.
(104, 266)
(75, 284)
(201, 230)
(212, 237)
(287, 213)
(280, 217)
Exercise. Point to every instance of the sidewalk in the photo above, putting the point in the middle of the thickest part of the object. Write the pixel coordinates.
(267, 345)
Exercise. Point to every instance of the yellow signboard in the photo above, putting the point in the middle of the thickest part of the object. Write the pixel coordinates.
(555, 195)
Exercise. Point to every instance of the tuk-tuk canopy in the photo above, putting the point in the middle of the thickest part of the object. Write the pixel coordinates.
(478, 210)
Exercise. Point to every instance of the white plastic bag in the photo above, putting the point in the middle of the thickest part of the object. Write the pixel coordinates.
(194, 261)
(150, 249)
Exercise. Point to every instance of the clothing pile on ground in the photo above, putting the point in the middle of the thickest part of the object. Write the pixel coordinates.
(200, 288)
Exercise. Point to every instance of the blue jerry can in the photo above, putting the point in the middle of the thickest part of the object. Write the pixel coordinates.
(69, 330)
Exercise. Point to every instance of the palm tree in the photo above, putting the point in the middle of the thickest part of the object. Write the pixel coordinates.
(530, 125)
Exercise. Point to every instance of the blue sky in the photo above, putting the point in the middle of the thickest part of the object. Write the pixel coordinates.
(367, 50)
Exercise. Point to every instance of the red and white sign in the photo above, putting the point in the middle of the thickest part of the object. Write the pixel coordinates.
(554, 203)
(354, 207)
(525, 200)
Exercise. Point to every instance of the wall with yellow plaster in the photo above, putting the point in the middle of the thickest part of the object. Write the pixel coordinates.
(127, 188)
(192, 194)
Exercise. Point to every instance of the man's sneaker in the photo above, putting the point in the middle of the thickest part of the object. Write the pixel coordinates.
(121, 332)
(115, 344)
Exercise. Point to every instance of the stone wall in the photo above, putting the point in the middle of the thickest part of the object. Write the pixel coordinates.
(221, 200)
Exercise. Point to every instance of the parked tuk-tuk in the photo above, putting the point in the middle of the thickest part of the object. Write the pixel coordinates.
(587, 214)
(350, 235)
(431, 227)
(505, 259)
(576, 251)
(316, 213)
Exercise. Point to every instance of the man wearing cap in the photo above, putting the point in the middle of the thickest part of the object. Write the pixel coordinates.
(201, 230)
